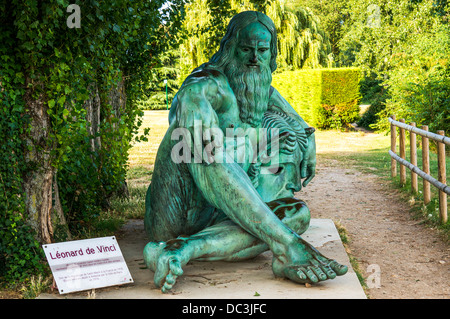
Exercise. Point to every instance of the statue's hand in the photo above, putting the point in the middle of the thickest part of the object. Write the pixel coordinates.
(308, 165)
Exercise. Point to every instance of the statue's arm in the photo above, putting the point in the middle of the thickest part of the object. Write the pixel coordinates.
(195, 109)
(194, 102)
(199, 91)
(308, 165)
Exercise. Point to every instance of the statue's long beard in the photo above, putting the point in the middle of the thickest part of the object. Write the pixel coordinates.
(251, 88)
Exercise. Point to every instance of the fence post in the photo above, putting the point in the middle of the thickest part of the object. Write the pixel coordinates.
(402, 146)
(413, 158)
(442, 178)
(393, 148)
(426, 166)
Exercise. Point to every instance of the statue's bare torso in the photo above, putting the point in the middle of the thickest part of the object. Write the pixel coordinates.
(174, 186)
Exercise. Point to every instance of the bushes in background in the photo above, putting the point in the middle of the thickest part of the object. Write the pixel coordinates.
(419, 82)
(325, 98)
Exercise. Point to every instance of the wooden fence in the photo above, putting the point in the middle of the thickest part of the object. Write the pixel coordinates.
(439, 183)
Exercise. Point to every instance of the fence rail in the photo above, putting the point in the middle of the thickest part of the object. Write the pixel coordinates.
(440, 182)
(433, 136)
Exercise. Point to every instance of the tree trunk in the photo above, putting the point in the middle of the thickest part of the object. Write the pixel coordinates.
(117, 97)
(92, 107)
(39, 183)
(58, 217)
(38, 180)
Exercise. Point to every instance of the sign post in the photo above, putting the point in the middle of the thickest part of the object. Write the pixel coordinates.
(87, 264)
(167, 96)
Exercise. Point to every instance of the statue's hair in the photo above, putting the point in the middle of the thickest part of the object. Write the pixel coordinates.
(229, 41)
(292, 133)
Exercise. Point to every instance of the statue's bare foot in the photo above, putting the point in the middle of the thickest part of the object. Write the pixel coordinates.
(166, 259)
(304, 264)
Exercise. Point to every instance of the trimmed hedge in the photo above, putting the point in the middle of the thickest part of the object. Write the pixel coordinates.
(325, 98)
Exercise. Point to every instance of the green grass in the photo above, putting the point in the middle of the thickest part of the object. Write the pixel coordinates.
(141, 161)
(368, 153)
(364, 151)
(143, 154)
(133, 206)
(353, 261)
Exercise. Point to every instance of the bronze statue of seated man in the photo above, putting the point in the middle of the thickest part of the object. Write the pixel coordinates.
(232, 200)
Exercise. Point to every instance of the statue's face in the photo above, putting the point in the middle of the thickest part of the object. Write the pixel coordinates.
(249, 73)
(280, 180)
(253, 47)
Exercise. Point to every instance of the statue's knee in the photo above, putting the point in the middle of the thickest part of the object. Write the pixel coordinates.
(299, 220)
(293, 212)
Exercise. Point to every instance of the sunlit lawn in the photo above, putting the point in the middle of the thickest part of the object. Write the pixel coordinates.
(330, 144)
(144, 153)
(140, 165)
(365, 151)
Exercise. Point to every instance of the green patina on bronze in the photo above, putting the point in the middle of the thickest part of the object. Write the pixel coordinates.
(234, 210)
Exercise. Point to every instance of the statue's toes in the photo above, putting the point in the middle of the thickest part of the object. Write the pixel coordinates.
(168, 284)
(338, 268)
(175, 266)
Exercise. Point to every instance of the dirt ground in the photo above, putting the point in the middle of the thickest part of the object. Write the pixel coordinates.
(400, 257)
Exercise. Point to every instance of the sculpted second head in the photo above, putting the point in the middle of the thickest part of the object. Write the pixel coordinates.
(278, 175)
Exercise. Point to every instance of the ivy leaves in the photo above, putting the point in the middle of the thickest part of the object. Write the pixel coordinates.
(106, 60)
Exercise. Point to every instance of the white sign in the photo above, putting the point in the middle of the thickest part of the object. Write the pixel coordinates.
(87, 264)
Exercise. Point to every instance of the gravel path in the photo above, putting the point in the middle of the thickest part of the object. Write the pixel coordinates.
(398, 256)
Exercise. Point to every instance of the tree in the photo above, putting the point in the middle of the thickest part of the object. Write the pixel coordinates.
(419, 82)
(377, 29)
(155, 96)
(302, 43)
(67, 113)
(332, 16)
(203, 26)
(401, 46)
